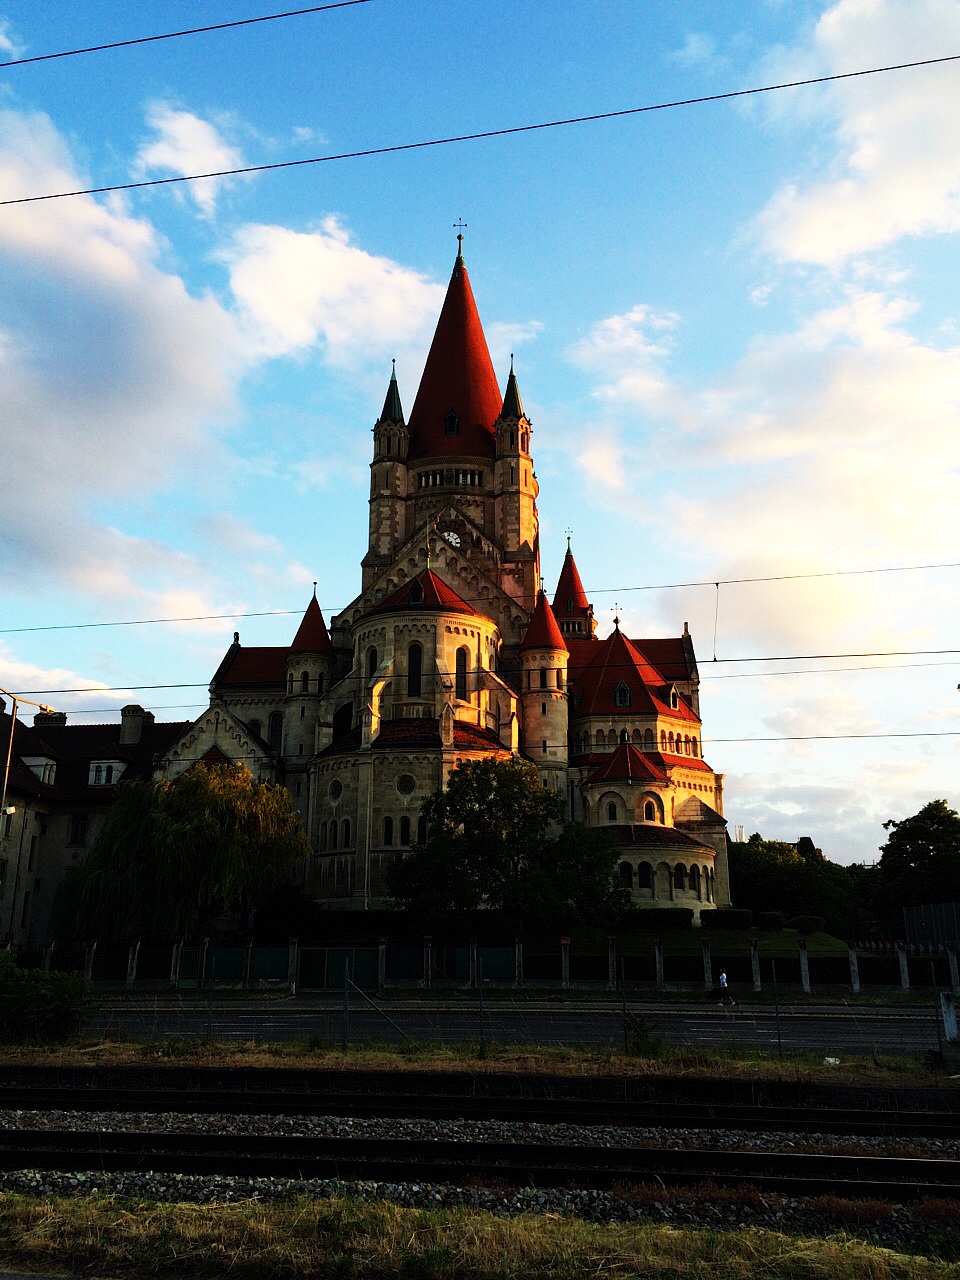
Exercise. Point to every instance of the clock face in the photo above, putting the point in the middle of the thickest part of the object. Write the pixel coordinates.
(452, 538)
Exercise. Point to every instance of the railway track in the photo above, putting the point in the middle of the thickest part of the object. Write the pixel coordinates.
(581, 1111)
(394, 1160)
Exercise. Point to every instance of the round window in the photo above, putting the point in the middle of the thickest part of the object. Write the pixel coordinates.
(336, 789)
(406, 784)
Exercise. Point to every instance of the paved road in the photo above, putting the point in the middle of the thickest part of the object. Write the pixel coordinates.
(825, 1029)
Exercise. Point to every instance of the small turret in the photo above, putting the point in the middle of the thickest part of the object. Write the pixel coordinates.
(544, 657)
(310, 667)
(573, 610)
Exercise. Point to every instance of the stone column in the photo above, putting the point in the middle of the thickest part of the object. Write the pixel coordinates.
(904, 970)
(132, 955)
(611, 964)
(176, 954)
(658, 961)
(428, 962)
(804, 965)
(707, 964)
(565, 963)
(474, 952)
(90, 952)
(293, 961)
(954, 976)
(949, 1010)
(755, 963)
(518, 962)
(381, 964)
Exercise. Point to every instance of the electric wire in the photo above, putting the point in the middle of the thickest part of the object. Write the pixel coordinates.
(173, 35)
(400, 148)
(332, 611)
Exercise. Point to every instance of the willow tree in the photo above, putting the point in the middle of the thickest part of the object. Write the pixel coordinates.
(173, 858)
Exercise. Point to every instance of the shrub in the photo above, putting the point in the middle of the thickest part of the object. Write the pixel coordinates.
(661, 919)
(807, 924)
(37, 1006)
(770, 919)
(727, 918)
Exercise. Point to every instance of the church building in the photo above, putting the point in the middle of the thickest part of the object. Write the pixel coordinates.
(452, 651)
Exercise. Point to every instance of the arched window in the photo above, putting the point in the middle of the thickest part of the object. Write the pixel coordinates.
(451, 423)
(333, 833)
(695, 879)
(601, 738)
(623, 737)
(108, 774)
(414, 670)
(290, 683)
(543, 677)
(276, 730)
(421, 831)
(649, 742)
(322, 837)
(416, 591)
(254, 727)
(320, 683)
(626, 874)
(612, 811)
(304, 681)
(372, 663)
(679, 876)
(695, 745)
(404, 830)
(342, 721)
(670, 746)
(97, 775)
(686, 745)
(559, 678)
(621, 695)
(644, 876)
(388, 831)
(663, 739)
(345, 834)
(637, 738)
(674, 699)
(649, 811)
(461, 680)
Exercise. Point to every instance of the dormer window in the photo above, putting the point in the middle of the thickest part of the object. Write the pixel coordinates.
(451, 423)
(621, 695)
(674, 699)
(104, 773)
(416, 591)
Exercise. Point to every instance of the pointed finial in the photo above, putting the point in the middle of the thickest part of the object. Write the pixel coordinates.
(314, 588)
(568, 532)
(616, 616)
(511, 362)
(460, 224)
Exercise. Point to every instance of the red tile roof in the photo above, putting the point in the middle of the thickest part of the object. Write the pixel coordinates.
(597, 668)
(436, 595)
(424, 733)
(627, 764)
(312, 635)
(542, 632)
(458, 375)
(256, 665)
(570, 597)
(649, 835)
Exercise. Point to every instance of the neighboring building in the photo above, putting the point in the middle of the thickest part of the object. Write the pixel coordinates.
(452, 652)
(61, 783)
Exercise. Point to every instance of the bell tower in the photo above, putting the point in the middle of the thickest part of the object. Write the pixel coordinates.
(388, 484)
(518, 525)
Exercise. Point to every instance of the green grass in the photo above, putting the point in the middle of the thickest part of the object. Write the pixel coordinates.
(342, 1240)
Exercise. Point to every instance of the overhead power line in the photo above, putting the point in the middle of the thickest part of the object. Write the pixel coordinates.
(173, 35)
(332, 611)
(398, 148)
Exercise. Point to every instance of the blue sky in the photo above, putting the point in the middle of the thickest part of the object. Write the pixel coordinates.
(735, 327)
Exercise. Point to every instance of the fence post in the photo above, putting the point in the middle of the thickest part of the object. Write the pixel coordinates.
(707, 964)
(904, 970)
(345, 1024)
(472, 979)
(90, 952)
(854, 969)
(204, 948)
(564, 963)
(952, 962)
(293, 958)
(949, 1010)
(518, 962)
(247, 962)
(755, 963)
(611, 964)
(804, 965)
(176, 955)
(132, 955)
(427, 961)
(381, 964)
(658, 960)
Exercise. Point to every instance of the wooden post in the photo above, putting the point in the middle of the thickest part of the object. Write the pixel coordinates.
(804, 965)
(176, 955)
(952, 962)
(293, 964)
(565, 963)
(428, 961)
(904, 970)
(658, 960)
(518, 962)
(132, 955)
(755, 963)
(90, 952)
(381, 964)
(854, 969)
(611, 964)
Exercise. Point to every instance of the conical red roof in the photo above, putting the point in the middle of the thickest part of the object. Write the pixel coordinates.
(458, 400)
(570, 599)
(312, 636)
(627, 764)
(543, 632)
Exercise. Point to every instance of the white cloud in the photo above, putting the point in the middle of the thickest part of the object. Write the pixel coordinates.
(697, 50)
(112, 375)
(9, 44)
(297, 289)
(895, 166)
(186, 144)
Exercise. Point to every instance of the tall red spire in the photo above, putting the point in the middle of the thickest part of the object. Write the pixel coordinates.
(573, 610)
(458, 400)
(312, 635)
(542, 632)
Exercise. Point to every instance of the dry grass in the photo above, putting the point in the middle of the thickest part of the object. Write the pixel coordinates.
(343, 1241)
(733, 1064)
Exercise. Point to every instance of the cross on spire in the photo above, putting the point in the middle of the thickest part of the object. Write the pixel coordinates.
(460, 224)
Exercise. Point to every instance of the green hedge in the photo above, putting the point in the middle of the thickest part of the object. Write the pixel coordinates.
(657, 919)
(771, 920)
(729, 918)
(37, 1006)
(807, 924)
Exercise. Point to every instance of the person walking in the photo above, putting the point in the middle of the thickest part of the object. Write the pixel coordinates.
(724, 989)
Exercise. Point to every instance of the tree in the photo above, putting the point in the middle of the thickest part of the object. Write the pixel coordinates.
(920, 861)
(173, 857)
(773, 875)
(489, 844)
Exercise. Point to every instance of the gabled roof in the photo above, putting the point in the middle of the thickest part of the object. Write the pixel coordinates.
(598, 667)
(542, 632)
(570, 599)
(256, 665)
(627, 764)
(435, 594)
(312, 636)
(457, 377)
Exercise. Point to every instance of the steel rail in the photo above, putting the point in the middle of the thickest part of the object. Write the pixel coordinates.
(897, 1180)
(579, 1111)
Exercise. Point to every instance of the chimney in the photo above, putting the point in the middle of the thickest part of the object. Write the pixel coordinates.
(132, 720)
(45, 718)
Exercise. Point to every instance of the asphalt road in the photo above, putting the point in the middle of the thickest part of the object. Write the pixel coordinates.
(827, 1029)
